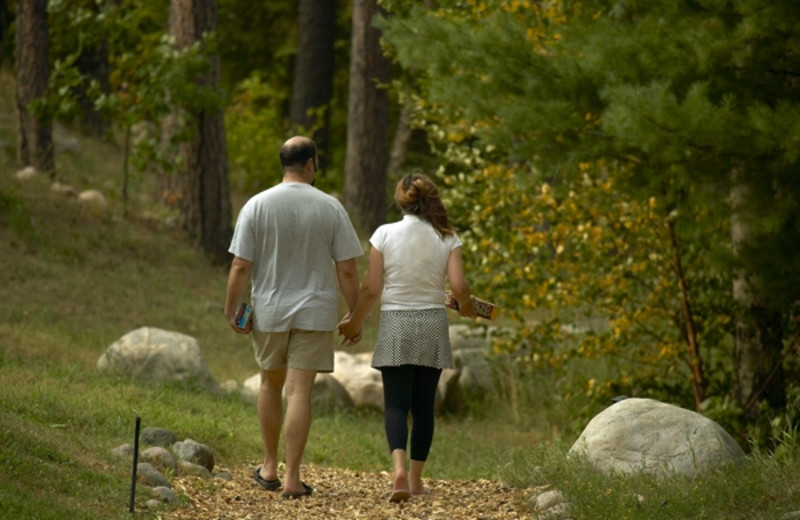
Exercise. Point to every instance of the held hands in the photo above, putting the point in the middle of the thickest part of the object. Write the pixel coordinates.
(351, 331)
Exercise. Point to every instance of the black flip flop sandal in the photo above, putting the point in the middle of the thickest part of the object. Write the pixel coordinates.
(307, 490)
(269, 485)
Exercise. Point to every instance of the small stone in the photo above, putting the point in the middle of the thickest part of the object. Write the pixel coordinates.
(123, 450)
(190, 469)
(153, 436)
(26, 173)
(150, 476)
(192, 451)
(160, 458)
(549, 499)
(165, 494)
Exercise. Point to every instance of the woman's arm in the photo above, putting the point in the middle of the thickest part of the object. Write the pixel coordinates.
(459, 284)
(370, 291)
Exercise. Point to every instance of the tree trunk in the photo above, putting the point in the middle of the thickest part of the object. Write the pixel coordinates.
(367, 121)
(3, 26)
(758, 346)
(313, 73)
(402, 136)
(35, 134)
(205, 189)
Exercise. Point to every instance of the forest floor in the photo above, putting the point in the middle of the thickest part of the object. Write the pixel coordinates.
(342, 493)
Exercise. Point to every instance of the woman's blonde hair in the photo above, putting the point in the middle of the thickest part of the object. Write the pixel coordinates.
(416, 194)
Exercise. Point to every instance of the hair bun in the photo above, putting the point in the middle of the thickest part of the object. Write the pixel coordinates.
(424, 187)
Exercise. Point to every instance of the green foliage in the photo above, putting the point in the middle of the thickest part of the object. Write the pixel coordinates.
(256, 36)
(149, 78)
(255, 132)
(588, 151)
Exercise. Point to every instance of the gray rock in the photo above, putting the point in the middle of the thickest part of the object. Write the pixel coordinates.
(191, 469)
(150, 476)
(153, 436)
(644, 435)
(449, 395)
(124, 451)
(165, 494)
(93, 200)
(27, 173)
(63, 189)
(329, 394)
(362, 382)
(192, 451)
(250, 386)
(464, 337)
(151, 355)
(549, 499)
(476, 380)
(160, 458)
(354, 383)
(230, 386)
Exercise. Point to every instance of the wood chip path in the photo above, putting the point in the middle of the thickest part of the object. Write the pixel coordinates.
(345, 494)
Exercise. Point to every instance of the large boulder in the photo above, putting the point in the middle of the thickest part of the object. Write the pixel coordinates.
(645, 435)
(150, 354)
(328, 394)
(466, 338)
(472, 378)
(362, 382)
(355, 383)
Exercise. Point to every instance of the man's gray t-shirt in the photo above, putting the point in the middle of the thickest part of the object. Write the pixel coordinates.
(293, 233)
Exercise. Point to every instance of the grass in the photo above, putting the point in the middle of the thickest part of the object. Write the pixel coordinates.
(74, 281)
(761, 488)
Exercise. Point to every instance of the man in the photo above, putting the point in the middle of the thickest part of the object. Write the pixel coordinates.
(293, 243)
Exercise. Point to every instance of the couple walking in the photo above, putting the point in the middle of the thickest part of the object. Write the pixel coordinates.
(296, 248)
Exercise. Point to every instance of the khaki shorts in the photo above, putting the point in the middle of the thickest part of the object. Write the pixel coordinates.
(299, 349)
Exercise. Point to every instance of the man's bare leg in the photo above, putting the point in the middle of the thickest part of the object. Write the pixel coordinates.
(297, 423)
(270, 415)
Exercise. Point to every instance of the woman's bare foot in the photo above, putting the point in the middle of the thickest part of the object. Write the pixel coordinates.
(400, 481)
(400, 491)
(420, 490)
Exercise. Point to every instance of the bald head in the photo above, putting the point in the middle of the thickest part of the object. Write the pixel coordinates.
(296, 152)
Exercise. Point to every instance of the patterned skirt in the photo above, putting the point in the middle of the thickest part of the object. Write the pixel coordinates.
(413, 337)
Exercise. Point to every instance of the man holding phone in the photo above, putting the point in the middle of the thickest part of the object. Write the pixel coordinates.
(294, 244)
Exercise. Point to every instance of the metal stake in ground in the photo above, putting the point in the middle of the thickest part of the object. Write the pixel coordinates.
(135, 462)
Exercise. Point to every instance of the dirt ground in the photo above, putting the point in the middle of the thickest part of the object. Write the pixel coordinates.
(346, 494)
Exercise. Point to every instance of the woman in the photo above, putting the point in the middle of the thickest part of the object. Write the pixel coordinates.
(408, 263)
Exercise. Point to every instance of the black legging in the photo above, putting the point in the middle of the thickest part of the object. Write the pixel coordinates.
(410, 388)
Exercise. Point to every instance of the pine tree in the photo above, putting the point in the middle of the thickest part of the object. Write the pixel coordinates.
(684, 102)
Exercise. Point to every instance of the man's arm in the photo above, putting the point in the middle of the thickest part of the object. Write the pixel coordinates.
(238, 279)
(347, 274)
